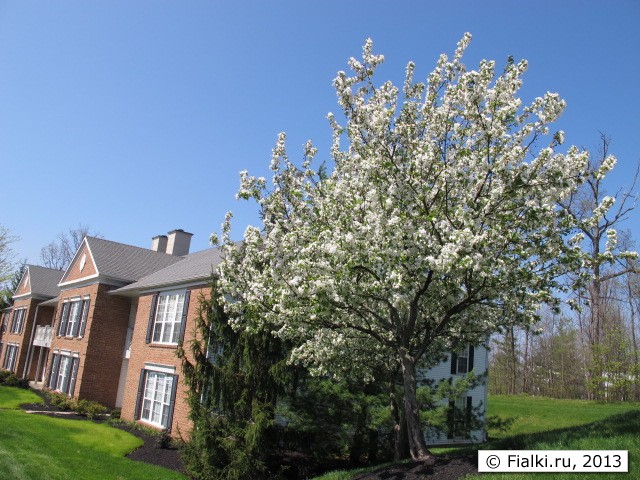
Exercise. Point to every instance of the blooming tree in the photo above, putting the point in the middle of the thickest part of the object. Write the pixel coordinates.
(437, 224)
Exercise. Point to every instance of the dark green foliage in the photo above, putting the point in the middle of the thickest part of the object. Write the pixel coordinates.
(88, 408)
(440, 412)
(336, 419)
(163, 440)
(10, 380)
(234, 381)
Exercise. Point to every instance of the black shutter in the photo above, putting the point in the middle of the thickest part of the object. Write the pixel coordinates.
(7, 356)
(172, 402)
(53, 378)
(454, 363)
(152, 315)
(74, 374)
(185, 311)
(468, 417)
(136, 412)
(85, 314)
(62, 326)
(470, 358)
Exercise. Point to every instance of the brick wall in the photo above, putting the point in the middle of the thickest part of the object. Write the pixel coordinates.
(101, 348)
(21, 339)
(74, 272)
(142, 352)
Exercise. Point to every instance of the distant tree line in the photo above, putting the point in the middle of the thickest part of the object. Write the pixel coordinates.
(590, 351)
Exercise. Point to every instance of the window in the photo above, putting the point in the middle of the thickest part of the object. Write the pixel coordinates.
(10, 357)
(18, 320)
(63, 374)
(167, 317)
(156, 398)
(462, 362)
(73, 317)
(460, 414)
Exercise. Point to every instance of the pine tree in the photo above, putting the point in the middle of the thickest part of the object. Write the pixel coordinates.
(234, 380)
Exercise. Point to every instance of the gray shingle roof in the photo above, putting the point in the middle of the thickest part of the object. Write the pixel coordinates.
(126, 262)
(194, 267)
(44, 281)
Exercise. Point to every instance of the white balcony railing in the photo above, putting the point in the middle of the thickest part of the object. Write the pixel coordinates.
(43, 336)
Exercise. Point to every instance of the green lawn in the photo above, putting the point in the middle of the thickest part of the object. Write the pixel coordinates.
(547, 424)
(539, 414)
(12, 398)
(34, 447)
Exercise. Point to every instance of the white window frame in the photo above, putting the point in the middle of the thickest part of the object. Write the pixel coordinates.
(11, 357)
(463, 360)
(74, 313)
(156, 401)
(17, 324)
(64, 378)
(73, 319)
(167, 323)
(63, 374)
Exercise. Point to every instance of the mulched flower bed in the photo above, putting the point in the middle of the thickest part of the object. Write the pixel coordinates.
(150, 452)
(446, 468)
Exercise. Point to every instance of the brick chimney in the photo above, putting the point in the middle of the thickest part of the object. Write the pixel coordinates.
(179, 242)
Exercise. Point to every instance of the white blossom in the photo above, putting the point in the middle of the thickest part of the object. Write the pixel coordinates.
(438, 224)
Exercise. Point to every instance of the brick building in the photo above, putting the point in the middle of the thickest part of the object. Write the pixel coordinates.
(90, 329)
(168, 302)
(25, 330)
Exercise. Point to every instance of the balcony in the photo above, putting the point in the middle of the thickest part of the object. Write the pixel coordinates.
(43, 337)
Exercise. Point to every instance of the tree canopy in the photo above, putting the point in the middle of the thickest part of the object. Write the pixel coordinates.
(438, 223)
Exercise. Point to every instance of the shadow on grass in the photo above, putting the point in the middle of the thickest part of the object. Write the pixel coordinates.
(613, 426)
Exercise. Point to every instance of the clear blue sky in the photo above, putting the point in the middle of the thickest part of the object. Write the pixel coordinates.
(135, 117)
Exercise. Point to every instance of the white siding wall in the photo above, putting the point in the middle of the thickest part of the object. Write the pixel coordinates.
(478, 394)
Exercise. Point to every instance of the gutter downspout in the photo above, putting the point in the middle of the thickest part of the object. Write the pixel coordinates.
(27, 365)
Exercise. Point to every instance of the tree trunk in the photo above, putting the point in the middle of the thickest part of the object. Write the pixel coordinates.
(634, 340)
(417, 444)
(400, 440)
(514, 360)
(525, 367)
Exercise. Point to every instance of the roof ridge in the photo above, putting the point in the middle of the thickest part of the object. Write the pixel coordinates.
(131, 246)
(45, 268)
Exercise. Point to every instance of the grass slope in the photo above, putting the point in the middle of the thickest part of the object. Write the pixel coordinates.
(12, 397)
(539, 414)
(34, 447)
(549, 424)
